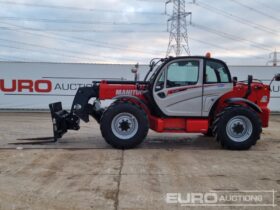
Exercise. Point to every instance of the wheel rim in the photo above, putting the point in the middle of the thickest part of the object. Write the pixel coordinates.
(124, 126)
(239, 128)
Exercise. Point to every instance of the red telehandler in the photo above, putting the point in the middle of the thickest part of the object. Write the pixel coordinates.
(183, 95)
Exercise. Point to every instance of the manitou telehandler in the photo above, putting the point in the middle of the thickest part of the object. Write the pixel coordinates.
(183, 95)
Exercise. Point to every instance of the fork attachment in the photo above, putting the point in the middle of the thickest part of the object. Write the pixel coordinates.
(62, 120)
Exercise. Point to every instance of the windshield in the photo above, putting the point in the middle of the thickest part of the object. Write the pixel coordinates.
(154, 72)
(155, 64)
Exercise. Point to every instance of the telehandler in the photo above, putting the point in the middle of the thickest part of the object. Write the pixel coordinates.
(194, 94)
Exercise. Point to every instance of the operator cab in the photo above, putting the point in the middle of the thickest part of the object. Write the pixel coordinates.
(190, 86)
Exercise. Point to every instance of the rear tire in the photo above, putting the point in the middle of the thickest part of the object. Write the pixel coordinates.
(237, 128)
(124, 125)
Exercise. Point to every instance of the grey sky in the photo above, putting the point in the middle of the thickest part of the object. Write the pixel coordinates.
(129, 31)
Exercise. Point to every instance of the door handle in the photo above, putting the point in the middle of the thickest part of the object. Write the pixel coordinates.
(161, 95)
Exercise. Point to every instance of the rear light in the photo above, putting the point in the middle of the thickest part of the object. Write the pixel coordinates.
(264, 99)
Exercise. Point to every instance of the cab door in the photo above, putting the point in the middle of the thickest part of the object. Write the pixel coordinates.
(178, 88)
(217, 82)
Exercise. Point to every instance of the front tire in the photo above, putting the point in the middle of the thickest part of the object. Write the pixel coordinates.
(238, 128)
(124, 125)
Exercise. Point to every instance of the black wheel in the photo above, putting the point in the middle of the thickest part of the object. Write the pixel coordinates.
(124, 125)
(237, 128)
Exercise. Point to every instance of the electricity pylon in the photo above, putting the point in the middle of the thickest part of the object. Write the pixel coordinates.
(274, 58)
(178, 28)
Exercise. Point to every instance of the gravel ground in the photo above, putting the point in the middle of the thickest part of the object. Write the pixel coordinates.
(83, 172)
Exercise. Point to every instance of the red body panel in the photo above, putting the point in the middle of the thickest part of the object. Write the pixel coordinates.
(197, 125)
(110, 91)
(179, 125)
(258, 91)
(189, 125)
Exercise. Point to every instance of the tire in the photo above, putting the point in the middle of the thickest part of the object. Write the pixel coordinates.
(124, 125)
(237, 128)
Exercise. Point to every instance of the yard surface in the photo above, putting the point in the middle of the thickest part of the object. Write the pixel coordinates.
(83, 172)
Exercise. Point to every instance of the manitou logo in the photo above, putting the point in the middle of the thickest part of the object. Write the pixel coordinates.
(129, 92)
(38, 86)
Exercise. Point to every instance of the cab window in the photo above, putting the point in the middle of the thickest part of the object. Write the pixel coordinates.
(216, 72)
(211, 76)
(223, 75)
(182, 73)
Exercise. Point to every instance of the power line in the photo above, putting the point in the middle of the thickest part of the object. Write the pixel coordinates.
(57, 53)
(21, 48)
(209, 43)
(83, 22)
(102, 10)
(79, 30)
(256, 10)
(235, 18)
(84, 40)
(219, 47)
(267, 6)
(115, 46)
(92, 42)
(62, 50)
(43, 46)
(76, 8)
(194, 39)
(51, 48)
(230, 36)
(110, 45)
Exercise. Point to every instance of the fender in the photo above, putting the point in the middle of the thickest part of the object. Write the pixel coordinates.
(140, 101)
(246, 101)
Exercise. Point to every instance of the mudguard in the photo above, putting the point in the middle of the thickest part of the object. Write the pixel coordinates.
(246, 101)
(138, 100)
